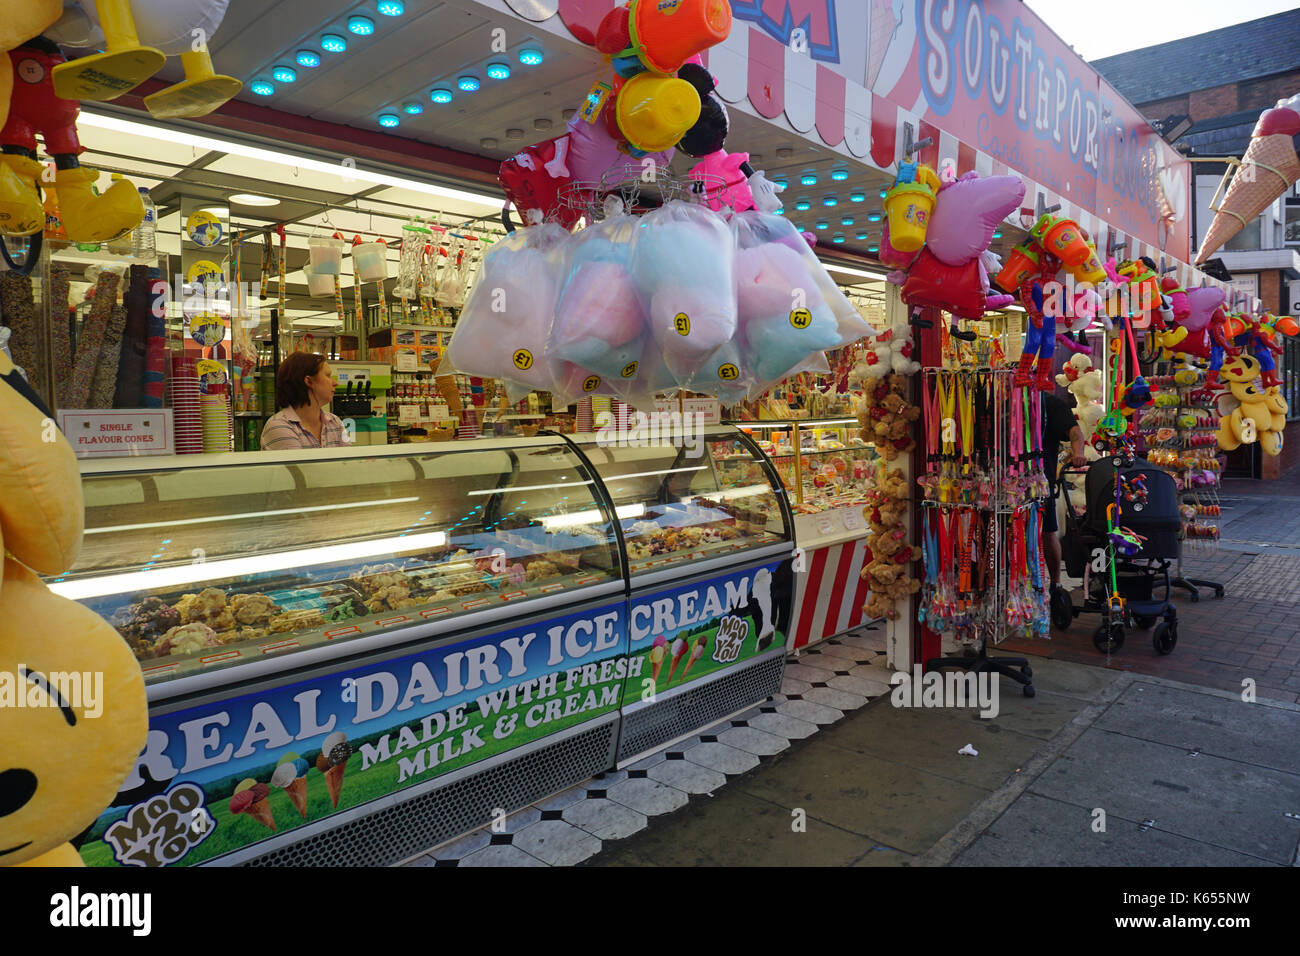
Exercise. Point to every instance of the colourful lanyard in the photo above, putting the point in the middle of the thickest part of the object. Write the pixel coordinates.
(1016, 450)
(948, 401)
(967, 403)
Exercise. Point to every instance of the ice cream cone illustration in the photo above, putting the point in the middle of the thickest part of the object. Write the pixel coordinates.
(291, 776)
(679, 648)
(1269, 168)
(250, 797)
(657, 654)
(333, 763)
(696, 653)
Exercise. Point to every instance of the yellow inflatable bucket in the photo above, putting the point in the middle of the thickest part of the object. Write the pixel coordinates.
(908, 206)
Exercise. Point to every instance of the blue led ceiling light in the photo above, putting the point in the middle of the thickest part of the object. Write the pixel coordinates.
(809, 180)
(389, 120)
(823, 224)
(498, 71)
(873, 248)
(529, 56)
(333, 43)
(858, 197)
(840, 175)
(261, 88)
(862, 235)
(830, 201)
(997, 234)
(308, 58)
(361, 26)
(391, 8)
(803, 205)
(468, 84)
(838, 237)
(883, 193)
(412, 109)
(846, 221)
(284, 74)
(875, 215)
(440, 96)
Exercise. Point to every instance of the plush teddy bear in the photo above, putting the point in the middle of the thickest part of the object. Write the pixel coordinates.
(1086, 385)
(60, 762)
(890, 352)
(888, 574)
(1249, 413)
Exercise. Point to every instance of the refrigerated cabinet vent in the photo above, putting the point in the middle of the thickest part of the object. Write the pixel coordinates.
(399, 832)
(645, 730)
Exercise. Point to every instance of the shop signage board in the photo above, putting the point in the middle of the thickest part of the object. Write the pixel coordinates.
(730, 619)
(406, 721)
(117, 433)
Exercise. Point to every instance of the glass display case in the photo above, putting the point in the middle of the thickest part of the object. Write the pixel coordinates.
(688, 501)
(219, 560)
(823, 463)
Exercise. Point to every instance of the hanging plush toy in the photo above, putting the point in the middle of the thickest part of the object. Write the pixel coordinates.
(1040, 331)
(136, 37)
(61, 762)
(1249, 413)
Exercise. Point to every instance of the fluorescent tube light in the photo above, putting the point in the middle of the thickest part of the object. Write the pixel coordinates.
(259, 514)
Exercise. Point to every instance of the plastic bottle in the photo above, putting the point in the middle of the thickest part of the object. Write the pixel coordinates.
(143, 245)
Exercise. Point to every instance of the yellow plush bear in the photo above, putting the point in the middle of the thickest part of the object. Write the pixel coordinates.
(1250, 413)
(73, 713)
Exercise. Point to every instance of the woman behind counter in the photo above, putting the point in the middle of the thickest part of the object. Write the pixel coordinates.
(304, 385)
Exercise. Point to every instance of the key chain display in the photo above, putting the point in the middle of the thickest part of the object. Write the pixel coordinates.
(983, 489)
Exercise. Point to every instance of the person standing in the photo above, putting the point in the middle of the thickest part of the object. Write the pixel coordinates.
(1059, 425)
(304, 385)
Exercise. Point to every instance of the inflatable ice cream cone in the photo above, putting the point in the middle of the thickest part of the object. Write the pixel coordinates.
(667, 33)
(654, 112)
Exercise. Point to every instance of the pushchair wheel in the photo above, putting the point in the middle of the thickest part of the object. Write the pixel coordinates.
(1108, 638)
(1029, 690)
(1165, 637)
(1062, 609)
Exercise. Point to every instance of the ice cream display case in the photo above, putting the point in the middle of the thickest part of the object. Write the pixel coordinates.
(828, 471)
(355, 654)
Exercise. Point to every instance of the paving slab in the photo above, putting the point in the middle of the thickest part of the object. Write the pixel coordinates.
(1037, 831)
(1255, 733)
(930, 741)
(737, 829)
(1222, 802)
(896, 805)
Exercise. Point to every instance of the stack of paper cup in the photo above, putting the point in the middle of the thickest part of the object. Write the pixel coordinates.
(469, 427)
(583, 425)
(216, 422)
(621, 413)
(184, 401)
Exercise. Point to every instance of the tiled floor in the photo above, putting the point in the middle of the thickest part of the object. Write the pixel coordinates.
(820, 687)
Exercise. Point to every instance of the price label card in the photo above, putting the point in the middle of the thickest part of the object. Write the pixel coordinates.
(407, 362)
(439, 413)
(853, 520)
(825, 525)
(408, 413)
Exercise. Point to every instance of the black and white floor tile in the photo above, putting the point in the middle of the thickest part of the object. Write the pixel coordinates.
(821, 685)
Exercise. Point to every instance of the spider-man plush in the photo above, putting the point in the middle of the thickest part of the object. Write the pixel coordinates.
(1040, 333)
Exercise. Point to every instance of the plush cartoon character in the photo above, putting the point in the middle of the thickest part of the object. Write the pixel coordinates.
(890, 352)
(888, 574)
(1040, 330)
(61, 760)
(1250, 413)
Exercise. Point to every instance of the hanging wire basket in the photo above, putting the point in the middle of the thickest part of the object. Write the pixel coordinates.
(639, 191)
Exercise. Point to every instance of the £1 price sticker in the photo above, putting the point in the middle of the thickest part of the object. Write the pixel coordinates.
(682, 323)
(801, 318)
(523, 359)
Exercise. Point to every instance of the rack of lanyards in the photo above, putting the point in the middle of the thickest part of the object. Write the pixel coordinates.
(983, 490)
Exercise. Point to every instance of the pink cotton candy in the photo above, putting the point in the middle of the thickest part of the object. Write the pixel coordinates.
(598, 302)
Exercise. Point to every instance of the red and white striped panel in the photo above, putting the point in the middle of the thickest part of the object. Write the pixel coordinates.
(829, 595)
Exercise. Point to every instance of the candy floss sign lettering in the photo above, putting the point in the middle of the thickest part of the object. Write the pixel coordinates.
(1007, 85)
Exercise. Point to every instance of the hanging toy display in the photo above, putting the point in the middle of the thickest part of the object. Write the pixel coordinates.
(1040, 331)
(411, 261)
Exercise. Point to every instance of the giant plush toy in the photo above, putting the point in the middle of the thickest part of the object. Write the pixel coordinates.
(61, 762)
(136, 37)
(1249, 413)
(1040, 331)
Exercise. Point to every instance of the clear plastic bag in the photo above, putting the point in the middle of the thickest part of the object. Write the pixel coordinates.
(414, 239)
(682, 265)
(503, 329)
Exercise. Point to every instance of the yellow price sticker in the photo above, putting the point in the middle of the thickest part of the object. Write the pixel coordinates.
(523, 359)
(629, 370)
(728, 372)
(682, 323)
(801, 318)
(591, 383)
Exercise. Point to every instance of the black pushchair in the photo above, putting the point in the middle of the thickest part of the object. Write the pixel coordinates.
(1137, 598)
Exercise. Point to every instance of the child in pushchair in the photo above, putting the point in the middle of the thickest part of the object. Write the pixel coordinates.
(1122, 545)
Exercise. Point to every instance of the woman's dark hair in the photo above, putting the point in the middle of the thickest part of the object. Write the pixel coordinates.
(290, 390)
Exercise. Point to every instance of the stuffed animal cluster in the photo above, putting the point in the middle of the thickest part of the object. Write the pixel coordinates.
(889, 352)
(889, 574)
(1248, 412)
(1085, 383)
(887, 417)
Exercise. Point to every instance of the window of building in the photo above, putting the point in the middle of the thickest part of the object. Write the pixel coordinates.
(1291, 378)
(1293, 223)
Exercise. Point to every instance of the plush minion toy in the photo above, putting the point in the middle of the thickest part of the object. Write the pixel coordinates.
(65, 751)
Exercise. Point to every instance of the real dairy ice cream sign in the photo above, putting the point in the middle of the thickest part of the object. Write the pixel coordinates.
(216, 778)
